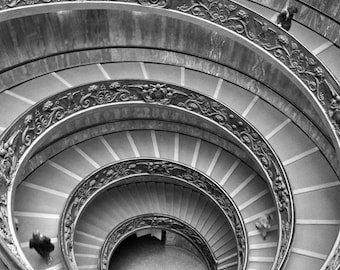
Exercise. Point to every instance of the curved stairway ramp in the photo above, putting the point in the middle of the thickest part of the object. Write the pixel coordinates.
(126, 201)
(320, 38)
(312, 178)
(57, 177)
(239, 23)
(278, 129)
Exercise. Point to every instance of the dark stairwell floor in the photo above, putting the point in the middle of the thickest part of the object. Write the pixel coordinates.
(148, 253)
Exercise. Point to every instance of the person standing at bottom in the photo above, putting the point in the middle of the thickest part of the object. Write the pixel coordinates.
(42, 245)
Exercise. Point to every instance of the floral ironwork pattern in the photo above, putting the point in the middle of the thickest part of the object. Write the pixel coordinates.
(8, 166)
(333, 262)
(275, 41)
(257, 30)
(114, 174)
(21, 135)
(154, 221)
(17, 3)
(154, 3)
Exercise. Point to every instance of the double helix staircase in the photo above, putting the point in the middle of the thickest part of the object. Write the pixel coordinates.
(54, 180)
(40, 198)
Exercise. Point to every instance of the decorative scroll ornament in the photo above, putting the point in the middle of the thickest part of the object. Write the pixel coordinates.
(259, 31)
(8, 165)
(283, 47)
(154, 3)
(17, 3)
(224, 13)
(114, 173)
(334, 263)
(300, 63)
(132, 225)
(334, 111)
(46, 114)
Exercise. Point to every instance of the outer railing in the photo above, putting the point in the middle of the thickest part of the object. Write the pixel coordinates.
(306, 67)
(17, 141)
(333, 260)
(306, 11)
(119, 173)
(315, 77)
(277, 42)
(154, 221)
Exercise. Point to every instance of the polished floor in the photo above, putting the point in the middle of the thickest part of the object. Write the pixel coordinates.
(148, 253)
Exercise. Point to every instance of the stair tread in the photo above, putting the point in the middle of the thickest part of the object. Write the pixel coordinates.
(169, 198)
(97, 151)
(32, 200)
(185, 203)
(74, 162)
(52, 178)
(166, 144)
(120, 144)
(143, 141)
(194, 201)
(82, 75)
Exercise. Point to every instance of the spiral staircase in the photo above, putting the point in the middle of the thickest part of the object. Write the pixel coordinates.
(213, 88)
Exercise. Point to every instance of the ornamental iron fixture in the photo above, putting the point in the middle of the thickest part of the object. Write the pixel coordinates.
(16, 141)
(117, 173)
(333, 262)
(317, 79)
(155, 221)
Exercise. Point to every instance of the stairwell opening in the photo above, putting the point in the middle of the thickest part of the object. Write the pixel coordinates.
(155, 249)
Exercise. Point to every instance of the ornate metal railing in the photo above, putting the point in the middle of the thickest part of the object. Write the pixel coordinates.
(16, 142)
(118, 172)
(277, 6)
(333, 260)
(155, 221)
(320, 83)
(312, 73)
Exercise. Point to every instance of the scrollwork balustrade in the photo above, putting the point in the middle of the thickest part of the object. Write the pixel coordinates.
(17, 140)
(116, 173)
(278, 43)
(317, 79)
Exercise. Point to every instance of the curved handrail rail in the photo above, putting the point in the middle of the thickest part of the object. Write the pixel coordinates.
(333, 259)
(307, 68)
(311, 73)
(118, 173)
(17, 141)
(157, 221)
(265, 5)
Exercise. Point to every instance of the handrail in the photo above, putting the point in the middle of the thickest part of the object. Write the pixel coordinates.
(120, 172)
(155, 221)
(313, 76)
(294, 19)
(23, 134)
(333, 259)
(277, 42)
(305, 66)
